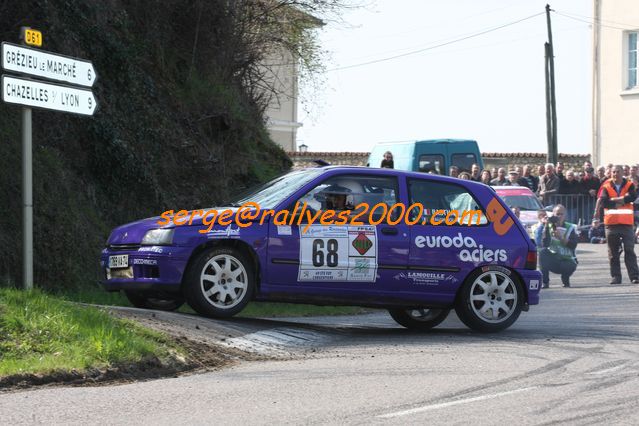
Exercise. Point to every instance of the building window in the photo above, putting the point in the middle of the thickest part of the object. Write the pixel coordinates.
(632, 60)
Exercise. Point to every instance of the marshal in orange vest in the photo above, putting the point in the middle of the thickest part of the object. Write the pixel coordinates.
(622, 215)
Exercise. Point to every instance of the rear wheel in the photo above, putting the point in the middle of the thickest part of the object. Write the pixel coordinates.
(419, 319)
(220, 283)
(152, 301)
(490, 300)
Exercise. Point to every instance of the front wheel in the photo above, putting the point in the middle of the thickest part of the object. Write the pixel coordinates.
(419, 319)
(490, 301)
(220, 283)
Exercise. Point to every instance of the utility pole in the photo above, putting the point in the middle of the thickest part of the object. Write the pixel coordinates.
(549, 130)
(550, 88)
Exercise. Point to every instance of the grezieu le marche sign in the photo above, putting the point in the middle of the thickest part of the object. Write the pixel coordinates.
(47, 65)
(46, 95)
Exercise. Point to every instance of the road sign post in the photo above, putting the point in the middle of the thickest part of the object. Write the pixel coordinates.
(27, 200)
(38, 94)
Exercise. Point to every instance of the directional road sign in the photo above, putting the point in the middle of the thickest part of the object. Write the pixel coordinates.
(47, 65)
(48, 96)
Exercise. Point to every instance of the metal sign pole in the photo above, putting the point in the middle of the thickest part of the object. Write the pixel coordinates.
(27, 192)
(27, 201)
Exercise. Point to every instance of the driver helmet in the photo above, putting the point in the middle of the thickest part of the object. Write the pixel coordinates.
(334, 197)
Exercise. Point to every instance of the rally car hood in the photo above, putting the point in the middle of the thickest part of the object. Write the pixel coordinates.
(528, 217)
(132, 233)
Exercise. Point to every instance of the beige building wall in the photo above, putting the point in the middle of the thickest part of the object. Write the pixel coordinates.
(281, 115)
(615, 103)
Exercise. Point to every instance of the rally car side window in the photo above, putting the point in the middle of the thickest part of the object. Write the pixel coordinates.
(347, 192)
(439, 199)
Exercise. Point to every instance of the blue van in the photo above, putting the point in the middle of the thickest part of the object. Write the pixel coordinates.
(435, 155)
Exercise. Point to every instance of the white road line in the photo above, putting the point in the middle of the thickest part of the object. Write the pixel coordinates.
(608, 370)
(451, 403)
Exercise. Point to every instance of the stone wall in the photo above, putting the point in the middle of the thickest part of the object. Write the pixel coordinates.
(510, 160)
(306, 159)
(491, 159)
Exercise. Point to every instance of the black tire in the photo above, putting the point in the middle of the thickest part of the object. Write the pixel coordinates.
(205, 295)
(419, 319)
(502, 294)
(151, 301)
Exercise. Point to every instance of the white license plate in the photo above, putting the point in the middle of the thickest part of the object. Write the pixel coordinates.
(119, 261)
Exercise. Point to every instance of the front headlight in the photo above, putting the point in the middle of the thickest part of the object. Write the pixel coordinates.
(158, 237)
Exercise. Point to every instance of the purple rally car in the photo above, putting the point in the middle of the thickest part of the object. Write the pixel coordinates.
(408, 251)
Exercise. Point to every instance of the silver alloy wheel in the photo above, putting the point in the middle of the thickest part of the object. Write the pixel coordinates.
(422, 314)
(223, 281)
(493, 297)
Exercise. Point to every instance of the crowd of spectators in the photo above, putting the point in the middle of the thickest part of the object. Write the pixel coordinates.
(549, 181)
(553, 180)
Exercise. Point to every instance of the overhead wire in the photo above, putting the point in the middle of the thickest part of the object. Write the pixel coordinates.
(593, 21)
(456, 40)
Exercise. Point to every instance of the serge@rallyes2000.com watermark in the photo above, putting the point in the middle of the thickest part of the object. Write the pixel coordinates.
(250, 213)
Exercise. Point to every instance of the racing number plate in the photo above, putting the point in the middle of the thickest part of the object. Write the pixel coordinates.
(119, 261)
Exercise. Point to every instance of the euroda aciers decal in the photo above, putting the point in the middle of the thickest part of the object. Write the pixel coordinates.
(470, 250)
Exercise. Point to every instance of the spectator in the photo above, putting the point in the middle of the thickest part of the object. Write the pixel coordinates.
(453, 171)
(570, 185)
(500, 179)
(542, 217)
(474, 173)
(590, 182)
(634, 171)
(601, 174)
(528, 180)
(558, 242)
(596, 235)
(493, 173)
(541, 170)
(617, 196)
(485, 177)
(559, 169)
(513, 178)
(626, 171)
(465, 176)
(609, 167)
(387, 162)
(516, 210)
(548, 184)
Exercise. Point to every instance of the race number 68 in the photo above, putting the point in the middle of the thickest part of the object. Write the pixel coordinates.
(325, 251)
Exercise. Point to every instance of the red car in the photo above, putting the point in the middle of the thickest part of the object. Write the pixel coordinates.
(525, 199)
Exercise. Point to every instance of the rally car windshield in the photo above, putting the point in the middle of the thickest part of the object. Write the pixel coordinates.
(524, 202)
(272, 193)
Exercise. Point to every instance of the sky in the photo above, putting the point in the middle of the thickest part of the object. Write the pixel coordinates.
(489, 88)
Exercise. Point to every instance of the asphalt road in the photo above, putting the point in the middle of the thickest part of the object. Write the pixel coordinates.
(572, 359)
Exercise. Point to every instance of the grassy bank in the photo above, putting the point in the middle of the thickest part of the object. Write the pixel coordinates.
(41, 334)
